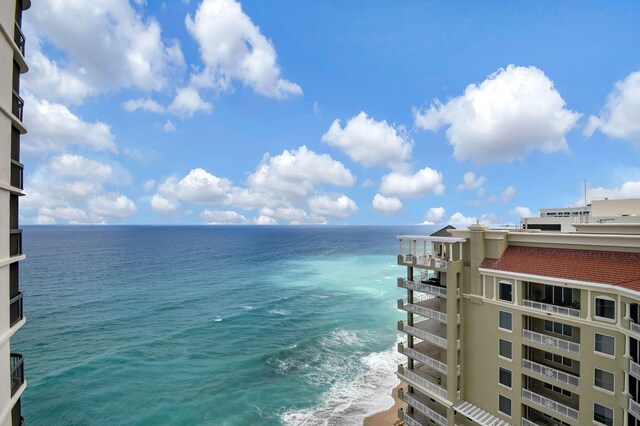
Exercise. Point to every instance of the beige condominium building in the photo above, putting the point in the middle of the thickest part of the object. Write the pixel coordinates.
(12, 65)
(517, 327)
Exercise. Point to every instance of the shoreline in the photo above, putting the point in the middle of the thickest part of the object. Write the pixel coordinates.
(389, 416)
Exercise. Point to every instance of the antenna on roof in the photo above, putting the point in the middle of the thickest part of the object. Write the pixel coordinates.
(585, 195)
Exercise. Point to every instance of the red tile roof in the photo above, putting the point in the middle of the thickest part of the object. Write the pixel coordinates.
(596, 266)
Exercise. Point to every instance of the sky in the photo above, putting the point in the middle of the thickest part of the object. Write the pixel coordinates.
(318, 112)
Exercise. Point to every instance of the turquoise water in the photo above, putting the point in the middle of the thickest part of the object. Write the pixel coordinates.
(208, 325)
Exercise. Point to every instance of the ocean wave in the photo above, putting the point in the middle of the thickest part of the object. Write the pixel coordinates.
(348, 401)
(247, 307)
(218, 319)
(282, 312)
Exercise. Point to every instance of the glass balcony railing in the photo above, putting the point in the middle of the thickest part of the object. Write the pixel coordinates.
(17, 372)
(17, 105)
(15, 310)
(18, 38)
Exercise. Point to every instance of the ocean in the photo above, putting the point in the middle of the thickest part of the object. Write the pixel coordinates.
(209, 325)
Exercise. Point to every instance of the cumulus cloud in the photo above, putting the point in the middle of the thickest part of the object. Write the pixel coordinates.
(387, 205)
(111, 206)
(108, 45)
(434, 215)
(168, 126)
(233, 48)
(198, 186)
(52, 127)
(224, 217)
(629, 189)
(520, 211)
(470, 182)
(331, 206)
(162, 205)
(187, 102)
(370, 142)
(507, 194)
(515, 110)
(423, 182)
(460, 219)
(145, 104)
(621, 115)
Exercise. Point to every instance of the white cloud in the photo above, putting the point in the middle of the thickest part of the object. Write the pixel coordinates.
(233, 48)
(111, 206)
(459, 219)
(149, 185)
(512, 112)
(327, 206)
(621, 115)
(423, 182)
(520, 211)
(292, 214)
(387, 205)
(435, 215)
(145, 104)
(52, 127)
(470, 182)
(162, 205)
(507, 194)
(169, 127)
(198, 186)
(187, 102)
(295, 173)
(224, 217)
(370, 142)
(108, 45)
(629, 189)
(77, 166)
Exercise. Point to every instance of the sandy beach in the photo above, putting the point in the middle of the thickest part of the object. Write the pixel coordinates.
(390, 416)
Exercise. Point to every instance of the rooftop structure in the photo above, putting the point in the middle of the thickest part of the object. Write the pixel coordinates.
(514, 327)
(12, 63)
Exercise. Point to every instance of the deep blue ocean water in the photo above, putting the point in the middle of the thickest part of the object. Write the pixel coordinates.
(211, 325)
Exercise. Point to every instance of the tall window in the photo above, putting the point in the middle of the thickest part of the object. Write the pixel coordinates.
(504, 405)
(505, 320)
(603, 379)
(506, 292)
(557, 295)
(558, 328)
(605, 344)
(504, 377)
(505, 349)
(605, 308)
(603, 414)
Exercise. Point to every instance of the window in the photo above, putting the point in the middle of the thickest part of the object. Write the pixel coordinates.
(603, 414)
(505, 377)
(558, 359)
(504, 405)
(557, 389)
(506, 292)
(505, 349)
(605, 344)
(605, 308)
(557, 295)
(558, 328)
(603, 379)
(505, 320)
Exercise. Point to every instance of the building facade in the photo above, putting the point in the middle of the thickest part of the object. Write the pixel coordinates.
(515, 327)
(12, 65)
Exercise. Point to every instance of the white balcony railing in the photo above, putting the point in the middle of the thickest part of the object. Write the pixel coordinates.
(634, 368)
(634, 408)
(562, 310)
(408, 258)
(526, 422)
(426, 336)
(424, 261)
(550, 404)
(420, 407)
(440, 263)
(634, 327)
(410, 421)
(428, 361)
(425, 312)
(547, 340)
(551, 373)
(422, 382)
(426, 288)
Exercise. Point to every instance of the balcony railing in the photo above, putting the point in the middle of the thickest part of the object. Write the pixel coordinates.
(551, 373)
(421, 310)
(15, 309)
(17, 106)
(634, 327)
(634, 408)
(422, 382)
(15, 242)
(526, 422)
(420, 407)
(17, 372)
(562, 310)
(17, 174)
(410, 421)
(634, 368)
(18, 37)
(550, 404)
(546, 340)
(425, 288)
(426, 336)
(426, 360)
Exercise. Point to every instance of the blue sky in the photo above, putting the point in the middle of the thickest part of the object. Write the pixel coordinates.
(377, 112)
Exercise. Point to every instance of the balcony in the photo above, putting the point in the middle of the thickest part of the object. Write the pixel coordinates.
(424, 358)
(634, 408)
(17, 372)
(551, 341)
(425, 308)
(15, 242)
(420, 405)
(555, 299)
(17, 106)
(413, 419)
(426, 330)
(546, 307)
(17, 174)
(550, 404)
(423, 380)
(15, 310)
(550, 373)
(428, 287)
(634, 327)
(16, 414)
(18, 38)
